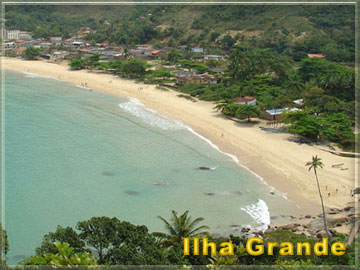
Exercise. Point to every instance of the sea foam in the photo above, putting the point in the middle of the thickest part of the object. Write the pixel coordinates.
(149, 116)
(259, 212)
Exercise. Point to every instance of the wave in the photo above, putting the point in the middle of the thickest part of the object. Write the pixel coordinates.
(149, 116)
(83, 87)
(34, 75)
(259, 212)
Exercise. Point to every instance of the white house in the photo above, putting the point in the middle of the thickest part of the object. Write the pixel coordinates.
(247, 100)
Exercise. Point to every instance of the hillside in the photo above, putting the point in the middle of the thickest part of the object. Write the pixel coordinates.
(292, 30)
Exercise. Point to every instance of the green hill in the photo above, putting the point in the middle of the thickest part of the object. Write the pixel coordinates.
(289, 29)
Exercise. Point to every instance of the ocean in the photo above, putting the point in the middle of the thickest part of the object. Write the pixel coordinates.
(71, 154)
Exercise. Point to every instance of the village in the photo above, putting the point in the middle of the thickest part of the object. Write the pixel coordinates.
(57, 49)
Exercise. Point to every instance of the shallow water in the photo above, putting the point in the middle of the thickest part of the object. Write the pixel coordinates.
(71, 154)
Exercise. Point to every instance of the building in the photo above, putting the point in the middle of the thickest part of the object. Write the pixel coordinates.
(197, 50)
(299, 102)
(276, 114)
(9, 45)
(25, 35)
(11, 34)
(247, 100)
(214, 57)
(56, 41)
(318, 55)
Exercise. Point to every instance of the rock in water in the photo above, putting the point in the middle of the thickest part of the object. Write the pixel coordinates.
(106, 173)
(159, 183)
(131, 192)
(204, 168)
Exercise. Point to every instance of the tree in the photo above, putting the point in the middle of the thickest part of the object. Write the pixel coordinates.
(31, 53)
(61, 234)
(77, 64)
(65, 255)
(315, 164)
(134, 68)
(247, 111)
(97, 233)
(92, 60)
(337, 128)
(179, 228)
(4, 245)
(120, 242)
(302, 123)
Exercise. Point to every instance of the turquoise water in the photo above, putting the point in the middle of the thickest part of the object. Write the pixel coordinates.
(71, 154)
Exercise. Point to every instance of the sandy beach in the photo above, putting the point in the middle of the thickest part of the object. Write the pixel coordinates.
(270, 154)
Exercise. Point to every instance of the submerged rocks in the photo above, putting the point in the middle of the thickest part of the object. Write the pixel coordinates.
(107, 173)
(204, 168)
(209, 193)
(131, 192)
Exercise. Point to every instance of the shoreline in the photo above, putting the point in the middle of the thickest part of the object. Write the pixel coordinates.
(270, 155)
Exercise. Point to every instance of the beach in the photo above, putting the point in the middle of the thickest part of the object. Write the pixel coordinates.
(270, 154)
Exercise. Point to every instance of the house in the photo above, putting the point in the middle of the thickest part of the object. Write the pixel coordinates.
(56, 41)
(25, 35)
(20, 50)
(9, 45)
(299, 102)
(68, 42)
(155, 53)
(247, 100)
(137, 54)
(119, 56)
(59, 55)
(276, 114)
(197, 50)
(143, 47)
(319, 55)
(213, 57)
(217, 70)
(45, 45)
(183, 77)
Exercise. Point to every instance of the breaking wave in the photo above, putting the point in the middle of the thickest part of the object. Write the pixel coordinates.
(259, 212)
(149, 116)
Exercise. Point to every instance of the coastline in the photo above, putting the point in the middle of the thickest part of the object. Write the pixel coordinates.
(270, 155)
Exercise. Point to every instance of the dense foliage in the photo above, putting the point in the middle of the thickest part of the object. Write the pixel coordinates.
(122, 243)
(31, 53)
(289, 30)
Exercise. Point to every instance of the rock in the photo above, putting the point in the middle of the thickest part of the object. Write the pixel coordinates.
(131, 192)
(321, 235)
(204, 168)
(159, 183)
(245, 229)
(106, 173)
(237, 193)
(357, 190)
(209, 193)
(272, 193)
(235, 225)
(307, 216)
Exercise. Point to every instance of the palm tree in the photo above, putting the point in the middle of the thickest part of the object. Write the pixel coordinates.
(179, 228)
(315, 164)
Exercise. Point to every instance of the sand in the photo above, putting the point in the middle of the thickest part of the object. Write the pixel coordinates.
(267, 152)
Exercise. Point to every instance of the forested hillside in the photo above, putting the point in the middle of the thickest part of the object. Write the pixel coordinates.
(291, 30)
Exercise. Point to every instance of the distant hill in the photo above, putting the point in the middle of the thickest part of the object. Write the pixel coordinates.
(291, 29)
